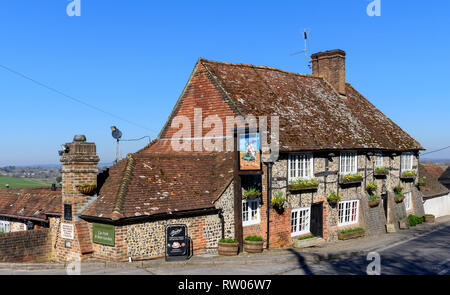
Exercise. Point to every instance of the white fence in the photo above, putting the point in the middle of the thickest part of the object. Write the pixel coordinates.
(439, 206)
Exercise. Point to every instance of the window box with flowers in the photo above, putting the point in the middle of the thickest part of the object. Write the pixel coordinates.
(352, 233)
(380, 172)
(333, 199)
(408, 175)
(302, 184)
(350, 178)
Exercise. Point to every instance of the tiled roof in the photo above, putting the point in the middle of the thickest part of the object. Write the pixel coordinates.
(445, 177)
(30, 203)
(434, 169)
(162, 183)
(432, 188)
(312, 114)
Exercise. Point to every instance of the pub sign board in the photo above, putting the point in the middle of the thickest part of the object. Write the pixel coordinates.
(103, 234)
(177, 242)
(249, 152)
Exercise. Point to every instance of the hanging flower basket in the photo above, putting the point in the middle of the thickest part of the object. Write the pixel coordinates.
(251, 194)
(399, 197)
(87, 189)
(333, 199)
(279, 202)
(374, 203)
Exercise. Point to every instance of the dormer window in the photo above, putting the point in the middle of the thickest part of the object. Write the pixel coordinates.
(406, 161)
(348, 163)
(300, 166)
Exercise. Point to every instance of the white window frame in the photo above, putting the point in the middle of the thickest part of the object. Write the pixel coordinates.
(299, 225)
(406, 161)
(5, 226)
(347, 208)
(246, 213)
(347, 159)
(299, 162)
(379, 160)
(407, 201)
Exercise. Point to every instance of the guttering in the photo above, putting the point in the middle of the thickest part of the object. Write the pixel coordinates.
(150, 218)
(24, 217)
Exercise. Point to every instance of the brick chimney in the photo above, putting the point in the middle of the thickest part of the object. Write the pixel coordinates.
(79, 167)
(330, 65)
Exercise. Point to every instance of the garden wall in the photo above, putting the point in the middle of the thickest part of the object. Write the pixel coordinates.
(26, 246)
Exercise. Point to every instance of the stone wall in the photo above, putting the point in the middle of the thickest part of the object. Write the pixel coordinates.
(26, 246)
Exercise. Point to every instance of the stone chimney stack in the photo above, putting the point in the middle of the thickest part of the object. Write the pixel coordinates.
(79, 168)
(330, 65)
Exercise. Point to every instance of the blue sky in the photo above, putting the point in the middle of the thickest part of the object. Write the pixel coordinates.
(133, 58)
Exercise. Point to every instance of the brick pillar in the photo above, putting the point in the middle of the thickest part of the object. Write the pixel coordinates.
(79, 167)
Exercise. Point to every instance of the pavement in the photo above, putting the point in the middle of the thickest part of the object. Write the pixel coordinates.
(326, 258)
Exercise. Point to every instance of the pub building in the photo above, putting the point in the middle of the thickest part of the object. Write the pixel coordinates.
(332, 141)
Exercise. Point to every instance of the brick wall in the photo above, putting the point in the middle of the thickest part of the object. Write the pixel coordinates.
(26, 246)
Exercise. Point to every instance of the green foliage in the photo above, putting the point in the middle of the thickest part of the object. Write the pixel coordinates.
(372, 186)
(409, 173)
(374, 197)
(254, 238)
(228, 241)
(414, 219)
(351, 176)
(306, 237)
(303, 183)
(251, 191)
(352, 230)
(334, 196)
(398, 188)
(429, 215)
(278, 200)
(21, 182)
(381, 169)
(421, 181)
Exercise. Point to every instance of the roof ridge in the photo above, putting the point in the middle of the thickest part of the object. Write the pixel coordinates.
(123, 188)
(258, 67)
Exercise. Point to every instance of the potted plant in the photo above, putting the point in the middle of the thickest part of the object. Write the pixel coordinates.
(278, 202)
(333, 199)
(374, 200)
(350, 178)
(251, 194)
(408, 174)
(371, 187)
(351, 233)
(306, 241)
(380, 171)
(228, 247)
(253, 244)
(303, 184)
(429, 218)
(87, 189)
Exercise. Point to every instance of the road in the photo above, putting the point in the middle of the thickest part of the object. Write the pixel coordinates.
(426, 254)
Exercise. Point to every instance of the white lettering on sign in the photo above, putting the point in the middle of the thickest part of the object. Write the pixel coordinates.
(67, 231)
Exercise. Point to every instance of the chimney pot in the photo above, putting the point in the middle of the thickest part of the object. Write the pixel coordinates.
(330, 65)
(79, 138)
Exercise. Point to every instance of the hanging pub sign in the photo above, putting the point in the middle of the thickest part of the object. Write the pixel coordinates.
(177, 242)
(103, 234)
(249, 152)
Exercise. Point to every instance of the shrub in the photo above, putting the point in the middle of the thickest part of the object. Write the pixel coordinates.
(228, 241)
(306, 237)
(254, 238)
(414, 220)
(251, 191)
(351, 230)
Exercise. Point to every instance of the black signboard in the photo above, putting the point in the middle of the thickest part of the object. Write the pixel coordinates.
(177, 242)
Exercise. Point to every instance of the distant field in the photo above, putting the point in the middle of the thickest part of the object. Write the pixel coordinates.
(21, 182)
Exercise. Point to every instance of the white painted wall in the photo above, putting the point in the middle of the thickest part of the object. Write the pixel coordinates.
(439, 206)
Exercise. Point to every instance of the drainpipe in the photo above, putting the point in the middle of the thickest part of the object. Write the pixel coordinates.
(222, 221)
(269, 194)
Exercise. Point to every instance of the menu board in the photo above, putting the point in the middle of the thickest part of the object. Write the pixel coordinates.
(176, 240)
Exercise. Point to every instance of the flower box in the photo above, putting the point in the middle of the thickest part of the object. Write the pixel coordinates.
(306, 243)
(429, 218)
(228, 249)
(253, 246)
(408, 175)
(297, 188)
(380, 173)
(351, 179)
(351, 234)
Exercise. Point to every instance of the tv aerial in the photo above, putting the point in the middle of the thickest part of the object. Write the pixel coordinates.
(117, 135)
(306, 36)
